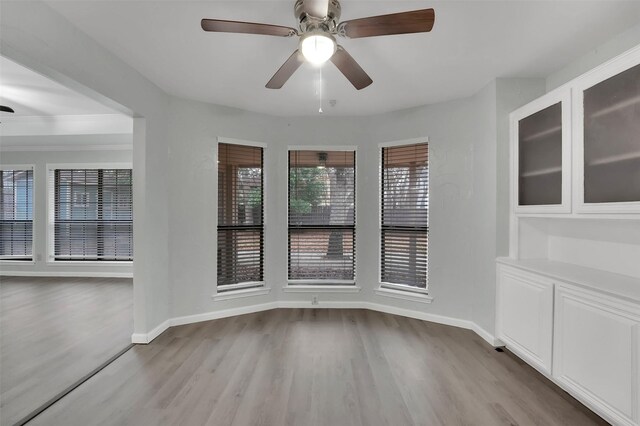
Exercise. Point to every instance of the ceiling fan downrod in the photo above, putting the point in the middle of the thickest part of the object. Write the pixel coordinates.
(318, 25)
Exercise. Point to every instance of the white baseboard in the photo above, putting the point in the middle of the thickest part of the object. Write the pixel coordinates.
(142, 338)
(88, 274)
(439, 319)
(339, 304)
(488, 337)
(424, 316)
(225, 313)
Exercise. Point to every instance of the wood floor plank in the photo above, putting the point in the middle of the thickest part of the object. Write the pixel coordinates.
(317, 367)
(53, 331)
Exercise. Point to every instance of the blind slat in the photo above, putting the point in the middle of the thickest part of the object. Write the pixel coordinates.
(240, 214)
(16, 214)
(405, 215)
(321, 215)
(93, 214)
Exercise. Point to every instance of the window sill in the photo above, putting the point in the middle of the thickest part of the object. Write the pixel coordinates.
(410, 295)
(320, 288)
(88, 262)
(7, 262)
(237, 294)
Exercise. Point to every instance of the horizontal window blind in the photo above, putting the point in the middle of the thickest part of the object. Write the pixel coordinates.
(16, 214)
(93, 214)
(240, 215)
(322, 215)
(405, 215)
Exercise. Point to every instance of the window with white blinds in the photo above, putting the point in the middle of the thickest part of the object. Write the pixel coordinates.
(322, 216)
(16, 214)
(240, 216)
(92, 214)
(405, 216)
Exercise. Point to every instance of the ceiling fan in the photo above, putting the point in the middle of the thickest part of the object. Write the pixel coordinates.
(319, 24)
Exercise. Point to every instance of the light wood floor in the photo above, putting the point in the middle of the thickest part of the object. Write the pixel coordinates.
(317, 367)
(53, 331)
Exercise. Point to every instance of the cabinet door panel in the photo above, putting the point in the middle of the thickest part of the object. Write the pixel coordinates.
(526, 304)
(540, 162)
(541, 155)
(596, 353)
(612, 139)
(606, 137)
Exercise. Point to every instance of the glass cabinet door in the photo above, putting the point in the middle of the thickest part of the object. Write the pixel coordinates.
(539, 159)
(612, 139)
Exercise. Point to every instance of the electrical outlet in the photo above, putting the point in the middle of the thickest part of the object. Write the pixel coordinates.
(314, 300)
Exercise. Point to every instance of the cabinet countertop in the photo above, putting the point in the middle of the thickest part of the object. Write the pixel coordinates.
(622, 286)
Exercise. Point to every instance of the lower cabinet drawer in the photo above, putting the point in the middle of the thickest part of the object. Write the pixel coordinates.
(525, 316)
(595, 356)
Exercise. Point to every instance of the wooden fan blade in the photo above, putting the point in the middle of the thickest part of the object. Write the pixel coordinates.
(221, 26)
(350, 68)
(286, 71)
(416, 21)
(6, 109)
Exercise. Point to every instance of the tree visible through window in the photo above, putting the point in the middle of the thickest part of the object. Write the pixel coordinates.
(240, 216)
(322, 215)
(405, 215)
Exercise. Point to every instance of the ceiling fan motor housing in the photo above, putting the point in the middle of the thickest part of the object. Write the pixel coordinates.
(319, 24)
(304, 12)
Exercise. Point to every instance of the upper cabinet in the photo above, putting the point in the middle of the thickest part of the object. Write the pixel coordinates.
(541, 155)
(577, 149)
(607, 138)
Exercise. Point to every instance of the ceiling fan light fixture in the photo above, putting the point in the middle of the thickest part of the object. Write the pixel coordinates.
(318, 23)
(317, 47)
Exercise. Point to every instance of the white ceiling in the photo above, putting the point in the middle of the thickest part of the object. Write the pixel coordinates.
(33, 95)
(49, 115)
(472, 43)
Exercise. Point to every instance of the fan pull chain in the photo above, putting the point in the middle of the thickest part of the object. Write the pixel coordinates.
(320, 90)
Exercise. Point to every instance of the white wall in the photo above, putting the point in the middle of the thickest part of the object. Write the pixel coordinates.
(600, 54)
(511, 94)
(174, 178)
(35, 36)
(463, 159)
(40, 159)
(469, 139)
(455, 130)
(194, 128)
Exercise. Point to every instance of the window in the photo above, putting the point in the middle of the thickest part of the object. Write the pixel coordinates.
(322, 216)
(16, 214)
(240, 217)
(92, 214)
(405, 216)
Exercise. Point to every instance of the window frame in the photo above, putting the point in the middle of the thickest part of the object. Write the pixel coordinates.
(394, 290)
(251, 288)
(311, 285)
(32, 260)
(51, 208)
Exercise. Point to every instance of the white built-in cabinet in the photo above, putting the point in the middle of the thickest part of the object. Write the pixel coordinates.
(525, 316)
(577, 149)
(541, 155)
(606, 127)
(581, 333)
(596, 351)
(568, 295)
